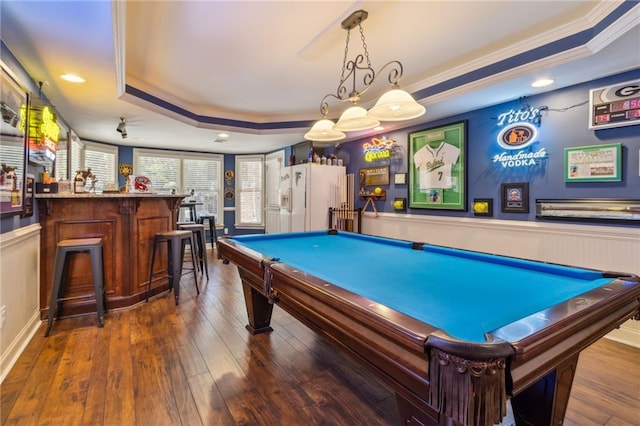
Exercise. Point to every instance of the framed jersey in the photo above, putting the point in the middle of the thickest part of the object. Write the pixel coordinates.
(437, 167)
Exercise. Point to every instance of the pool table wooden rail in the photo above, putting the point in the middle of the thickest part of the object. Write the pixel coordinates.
(551, 353)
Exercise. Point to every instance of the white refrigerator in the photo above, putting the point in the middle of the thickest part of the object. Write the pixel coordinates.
(306, 193)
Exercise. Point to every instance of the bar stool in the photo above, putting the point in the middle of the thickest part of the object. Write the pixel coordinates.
(191, 208)
(198, 234)
(212, 226)
(176, 242)
(64, 250)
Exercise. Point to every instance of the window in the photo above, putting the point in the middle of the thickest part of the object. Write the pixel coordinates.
(249, 191)
(102, 159)
(161, 167)
(76, 157)
(12, 154)
(61, 167)
(184, 172)
(204, 177)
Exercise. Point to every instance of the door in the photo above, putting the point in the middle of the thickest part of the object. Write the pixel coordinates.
(273, 166)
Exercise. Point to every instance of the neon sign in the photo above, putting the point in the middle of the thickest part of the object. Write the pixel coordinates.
(513, 116)
(517, 136)
(519, 133)
(49, 127)
(378, 149)
(43, 125)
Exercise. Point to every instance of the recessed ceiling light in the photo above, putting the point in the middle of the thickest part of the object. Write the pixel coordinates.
(72, 78)
(379, 128)
(223, 135)
(542, 82)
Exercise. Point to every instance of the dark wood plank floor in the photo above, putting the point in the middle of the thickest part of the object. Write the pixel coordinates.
(158, 364)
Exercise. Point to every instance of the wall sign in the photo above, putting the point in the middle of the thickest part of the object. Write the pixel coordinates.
(378, 149)
(615, 106)
(518, 134)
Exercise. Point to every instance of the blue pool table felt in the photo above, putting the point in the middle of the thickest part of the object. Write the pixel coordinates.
(467, 294)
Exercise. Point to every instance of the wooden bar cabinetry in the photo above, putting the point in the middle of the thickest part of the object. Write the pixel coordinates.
(126, 223)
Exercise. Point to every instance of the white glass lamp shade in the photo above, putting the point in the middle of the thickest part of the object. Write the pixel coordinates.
(323, 130)
(355, 118)
(396, 105)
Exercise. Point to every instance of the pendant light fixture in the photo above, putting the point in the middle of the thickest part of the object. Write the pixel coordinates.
(395, 105)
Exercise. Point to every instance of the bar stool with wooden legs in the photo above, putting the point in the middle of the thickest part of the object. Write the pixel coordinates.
(64, 251)
(200, 244)
(176, 241)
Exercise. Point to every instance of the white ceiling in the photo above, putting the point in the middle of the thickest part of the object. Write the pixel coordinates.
(181, 72)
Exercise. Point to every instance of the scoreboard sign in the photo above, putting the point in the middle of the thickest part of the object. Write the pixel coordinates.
(615, 106)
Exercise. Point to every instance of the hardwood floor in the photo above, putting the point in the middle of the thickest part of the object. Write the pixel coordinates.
(161, 364)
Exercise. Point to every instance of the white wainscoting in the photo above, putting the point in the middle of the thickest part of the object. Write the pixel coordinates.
(19, 292)
(592, 246)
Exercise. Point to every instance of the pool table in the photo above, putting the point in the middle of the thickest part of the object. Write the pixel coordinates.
(454, 333)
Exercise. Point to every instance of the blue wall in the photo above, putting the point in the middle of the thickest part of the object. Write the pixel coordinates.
(557, 130)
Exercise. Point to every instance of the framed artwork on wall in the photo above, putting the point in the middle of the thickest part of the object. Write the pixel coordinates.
(13, 149)
(400, 178)
(437, 167)
(515, 197)
(594, 163)
(372, 176)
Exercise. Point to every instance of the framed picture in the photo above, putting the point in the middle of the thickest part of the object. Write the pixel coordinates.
(437, 167)
(595, 163)
(400, 178)
(515, 197)
(374, 176)
(13, 149)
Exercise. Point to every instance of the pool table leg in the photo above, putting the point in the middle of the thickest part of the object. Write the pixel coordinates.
(258, 310)
(545, 402)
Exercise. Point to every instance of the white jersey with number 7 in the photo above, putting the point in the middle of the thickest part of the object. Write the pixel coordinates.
(435, 165)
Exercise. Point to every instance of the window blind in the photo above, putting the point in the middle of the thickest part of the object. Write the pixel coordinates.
(249, 191)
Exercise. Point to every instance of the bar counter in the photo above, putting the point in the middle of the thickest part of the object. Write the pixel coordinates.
(126, 223)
